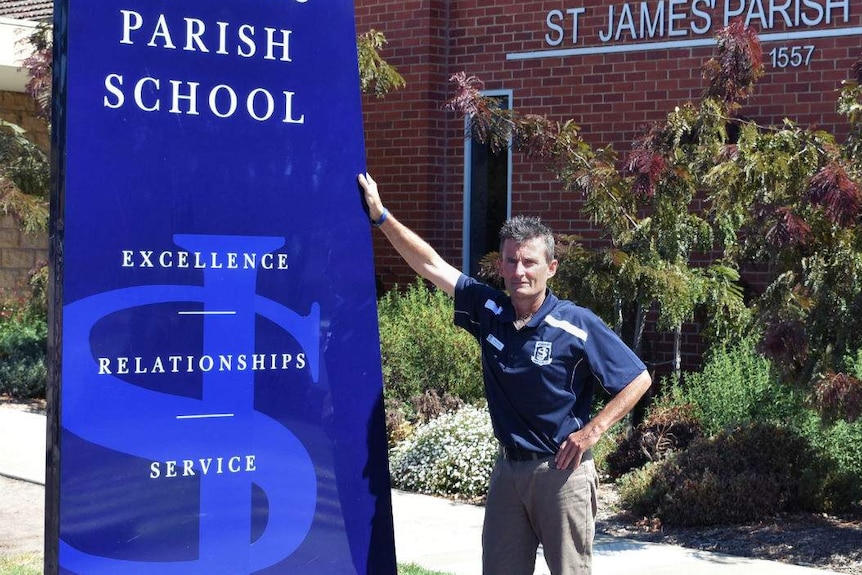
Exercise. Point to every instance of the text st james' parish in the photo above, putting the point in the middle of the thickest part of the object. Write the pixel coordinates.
(679, 19)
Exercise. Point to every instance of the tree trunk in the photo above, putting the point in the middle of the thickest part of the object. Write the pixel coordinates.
(640, 323)
(618, 316)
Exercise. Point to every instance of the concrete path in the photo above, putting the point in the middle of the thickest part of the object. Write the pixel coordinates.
(444, 536)
(22, 445)
(435, 533)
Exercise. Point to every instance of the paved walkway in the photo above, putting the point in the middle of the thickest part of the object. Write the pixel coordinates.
(435, 533)
(22, 445)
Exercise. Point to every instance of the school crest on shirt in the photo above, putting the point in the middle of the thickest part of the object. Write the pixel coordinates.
(542, 353)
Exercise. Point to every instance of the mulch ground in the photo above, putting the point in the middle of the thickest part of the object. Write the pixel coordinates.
(813, 540)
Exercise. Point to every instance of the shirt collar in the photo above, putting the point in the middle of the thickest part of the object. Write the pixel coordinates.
(544, 309)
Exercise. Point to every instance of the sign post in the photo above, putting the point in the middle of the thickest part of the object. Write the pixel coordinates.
(216, 390)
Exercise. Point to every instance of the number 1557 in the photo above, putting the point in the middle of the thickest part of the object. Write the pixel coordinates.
(791, 56)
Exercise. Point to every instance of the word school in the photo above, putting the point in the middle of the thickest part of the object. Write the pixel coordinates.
(192, 35)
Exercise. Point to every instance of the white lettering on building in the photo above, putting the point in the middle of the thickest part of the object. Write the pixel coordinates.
(680, 19)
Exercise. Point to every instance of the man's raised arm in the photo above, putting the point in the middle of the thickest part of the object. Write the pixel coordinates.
(418, 254)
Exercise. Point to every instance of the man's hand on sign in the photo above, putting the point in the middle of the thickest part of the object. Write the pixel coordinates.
(372, 196)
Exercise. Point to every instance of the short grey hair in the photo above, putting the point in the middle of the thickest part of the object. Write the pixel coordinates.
(522, 229)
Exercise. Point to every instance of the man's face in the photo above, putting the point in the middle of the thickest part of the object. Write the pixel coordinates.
(525, 268)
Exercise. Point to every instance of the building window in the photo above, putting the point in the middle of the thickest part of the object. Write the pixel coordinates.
(487, 194)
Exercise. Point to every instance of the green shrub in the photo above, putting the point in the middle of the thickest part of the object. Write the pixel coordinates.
(452, 456)
(853, 364)
(423, 350)
(840, 443)
(639, 490)
(608, 443)
(740, 475)
(736, 386)
(401, 417)
(23, 350)
(665, 430)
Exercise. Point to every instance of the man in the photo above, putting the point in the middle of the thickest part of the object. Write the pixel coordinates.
(541, 358)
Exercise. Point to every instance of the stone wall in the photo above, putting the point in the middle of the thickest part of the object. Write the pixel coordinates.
(20, 252)
(20, 109)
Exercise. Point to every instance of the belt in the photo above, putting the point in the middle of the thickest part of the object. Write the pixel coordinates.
(510, 453)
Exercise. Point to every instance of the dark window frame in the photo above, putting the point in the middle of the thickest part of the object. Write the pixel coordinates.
(490, 229)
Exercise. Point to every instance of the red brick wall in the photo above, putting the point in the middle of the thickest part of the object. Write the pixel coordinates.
(408, 133)
(415, 149)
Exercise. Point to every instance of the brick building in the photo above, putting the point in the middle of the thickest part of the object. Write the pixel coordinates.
(614, 67)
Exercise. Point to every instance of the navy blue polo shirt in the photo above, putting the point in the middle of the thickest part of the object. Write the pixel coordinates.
(539, 380)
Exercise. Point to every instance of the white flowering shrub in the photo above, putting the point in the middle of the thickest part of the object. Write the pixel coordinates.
(451, 456)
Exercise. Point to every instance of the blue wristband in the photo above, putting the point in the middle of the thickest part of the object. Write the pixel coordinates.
(379, 222)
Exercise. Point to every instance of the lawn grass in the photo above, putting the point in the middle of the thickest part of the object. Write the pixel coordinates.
(22, 564)
(413, 569)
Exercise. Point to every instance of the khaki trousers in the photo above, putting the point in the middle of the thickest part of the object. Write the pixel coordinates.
(531, 502)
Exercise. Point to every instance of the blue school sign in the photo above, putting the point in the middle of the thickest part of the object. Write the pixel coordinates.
(218, 403)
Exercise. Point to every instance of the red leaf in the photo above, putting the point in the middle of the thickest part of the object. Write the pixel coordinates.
(787, 229)
(839, 196)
